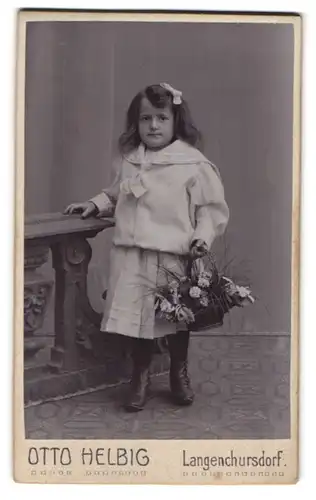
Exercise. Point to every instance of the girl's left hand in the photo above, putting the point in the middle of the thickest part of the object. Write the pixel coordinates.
(198, 249)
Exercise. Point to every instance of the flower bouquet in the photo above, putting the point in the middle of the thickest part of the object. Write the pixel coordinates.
(201, 297)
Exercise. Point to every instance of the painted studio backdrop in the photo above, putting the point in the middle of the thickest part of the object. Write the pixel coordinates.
(237, 79)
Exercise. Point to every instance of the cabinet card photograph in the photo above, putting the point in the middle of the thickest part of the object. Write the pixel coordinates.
(157, 247)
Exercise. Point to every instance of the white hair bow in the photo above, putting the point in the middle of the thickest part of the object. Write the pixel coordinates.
(177, 94)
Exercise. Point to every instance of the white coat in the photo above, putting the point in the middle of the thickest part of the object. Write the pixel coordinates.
(163, 200)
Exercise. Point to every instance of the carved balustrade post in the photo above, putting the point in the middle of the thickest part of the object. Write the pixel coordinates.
(37, 292)
(75, 319)
(71, 258)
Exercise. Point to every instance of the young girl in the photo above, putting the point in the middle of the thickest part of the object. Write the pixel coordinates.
(168, 201)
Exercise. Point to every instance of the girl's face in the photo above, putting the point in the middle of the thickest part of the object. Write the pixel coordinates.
(155, 125)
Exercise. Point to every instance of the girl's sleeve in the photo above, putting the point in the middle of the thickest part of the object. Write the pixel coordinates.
(210, 208)
(107, 199)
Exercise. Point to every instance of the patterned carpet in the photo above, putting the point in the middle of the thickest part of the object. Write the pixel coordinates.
(242, 392)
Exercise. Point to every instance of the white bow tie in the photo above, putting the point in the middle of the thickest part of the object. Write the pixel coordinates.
(134, 185)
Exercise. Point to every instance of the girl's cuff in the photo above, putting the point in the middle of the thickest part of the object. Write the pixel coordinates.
(102, 202)
(202, 244)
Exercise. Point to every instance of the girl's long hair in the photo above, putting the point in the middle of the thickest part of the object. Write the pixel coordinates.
(159, 97)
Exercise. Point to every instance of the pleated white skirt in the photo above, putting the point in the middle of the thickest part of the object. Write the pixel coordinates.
(129, 307)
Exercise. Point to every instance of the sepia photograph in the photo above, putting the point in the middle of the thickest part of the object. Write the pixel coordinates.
(158, 223)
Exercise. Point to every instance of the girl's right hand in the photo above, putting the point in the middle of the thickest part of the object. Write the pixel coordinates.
(87, 209)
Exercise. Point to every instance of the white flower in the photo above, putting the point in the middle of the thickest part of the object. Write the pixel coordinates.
(166, 307)
(230, 287)
(206, 274)
(243, 291)
(245, 295)
(204, 301)
(195, 292)
(184, 314)
(203, 282)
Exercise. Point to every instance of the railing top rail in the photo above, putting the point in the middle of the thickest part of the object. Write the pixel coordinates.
(52, 224)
